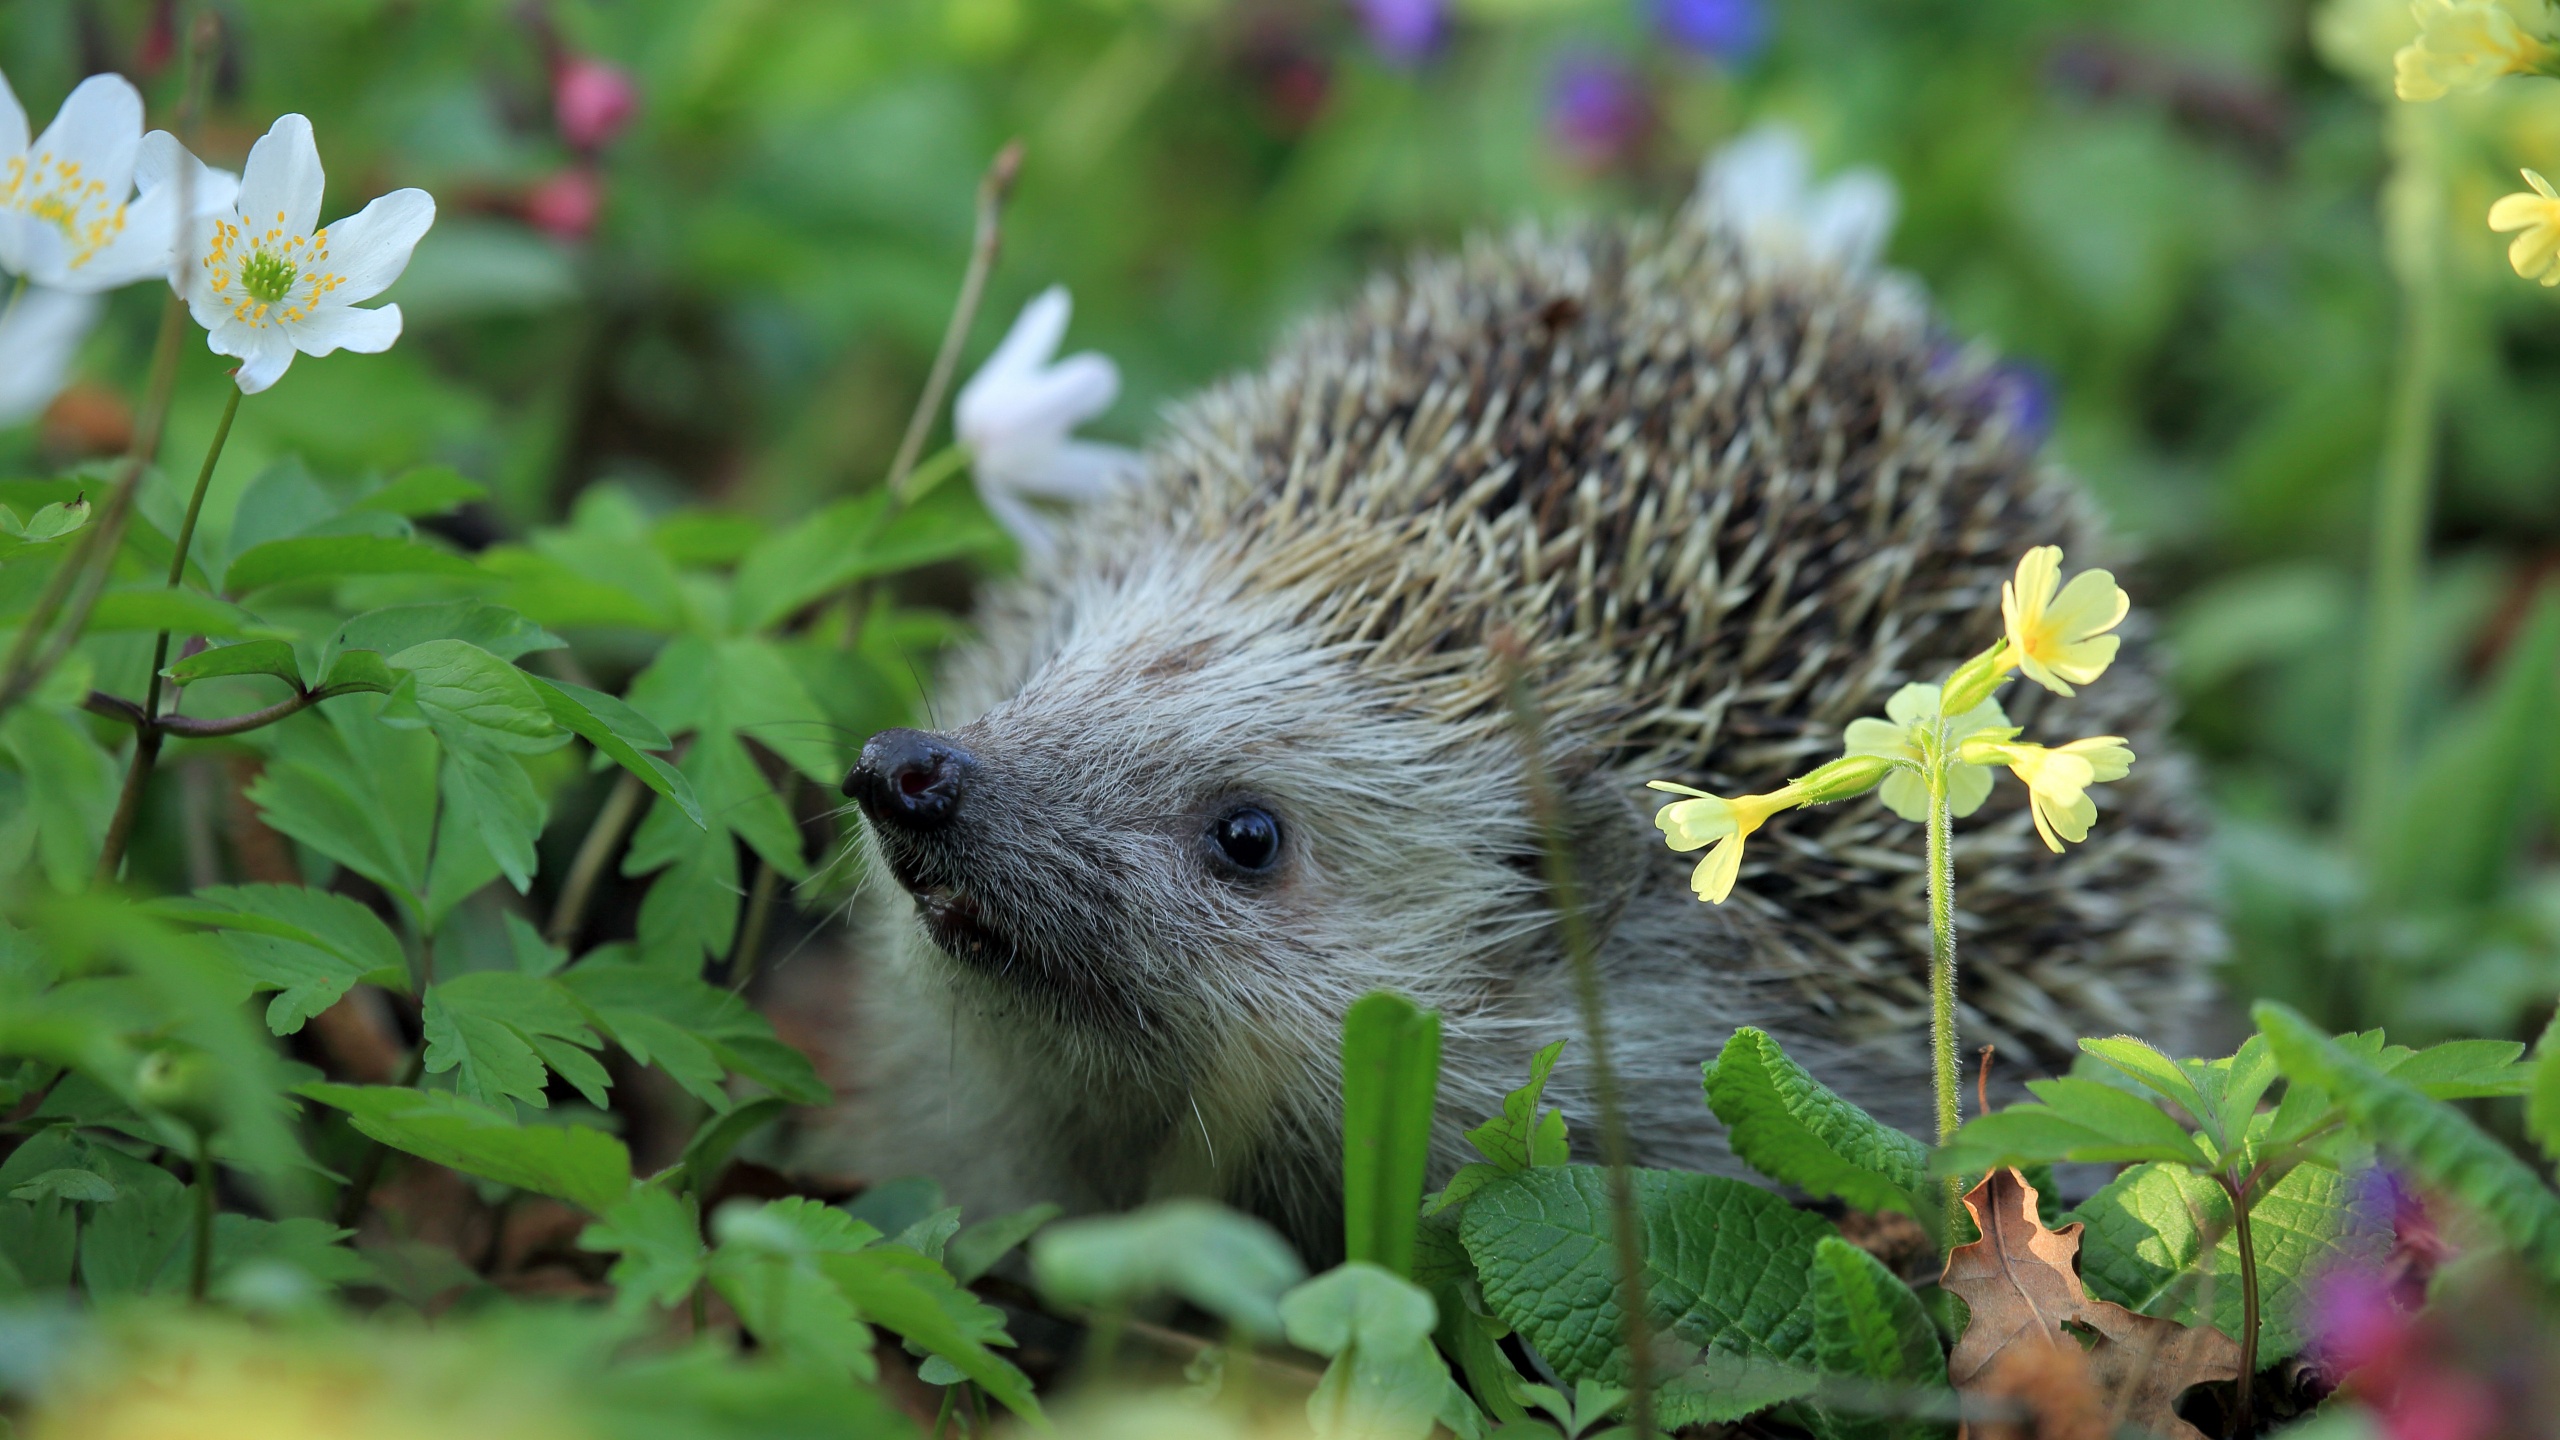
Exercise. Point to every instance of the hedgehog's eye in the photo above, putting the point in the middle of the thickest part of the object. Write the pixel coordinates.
(1246, 838)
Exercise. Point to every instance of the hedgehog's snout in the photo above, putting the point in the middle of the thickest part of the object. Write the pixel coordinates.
(910, 780)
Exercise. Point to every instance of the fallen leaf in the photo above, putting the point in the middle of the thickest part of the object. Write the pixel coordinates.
(2024, 1290)
(2051, 1386)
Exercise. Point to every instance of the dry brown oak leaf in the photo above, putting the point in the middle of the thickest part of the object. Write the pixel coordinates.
(2024, 1288)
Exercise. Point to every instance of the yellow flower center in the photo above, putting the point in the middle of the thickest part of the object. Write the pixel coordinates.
(271, 277)
(59, 193)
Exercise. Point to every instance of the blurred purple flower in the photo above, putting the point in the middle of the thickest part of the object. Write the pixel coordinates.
(592, 101)
(2022, 393)
(1596, 109)
(1405, 32)
(2356, 1324)
(1728, 30)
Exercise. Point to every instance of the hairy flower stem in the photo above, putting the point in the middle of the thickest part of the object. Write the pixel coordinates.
(1580, 945)
(148, 734)
(1942, 964)
(2413, 210)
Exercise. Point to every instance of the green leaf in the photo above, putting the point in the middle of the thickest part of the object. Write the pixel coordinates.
(692, 1030)
(1231, 1265)
(1384, 1382)
(2542, 1102)
(69, 790)
(249, 657)
(826, 551)
(2142, 1247)
(576, 708)
(576, 1163)
(976, 1249)
(765, 1267)
(1390, 1078)
(329, 557)
(494, 628)
(427, 490)
(2155, 1070)
(484, 786)
(51, 522)
(707, 1154)
(65, 1184)
(2464, 805)
(910, 1294)
(359, 793)
(2435, 1142)
(498, 1029)
(2461, 1069)
(1868, 1325)
(157, 607)
(1788, 1126)
(359, 670)
(460, 684)
(2079, 1120)
(310, 945)
(658, 1235)
(1727, 1265)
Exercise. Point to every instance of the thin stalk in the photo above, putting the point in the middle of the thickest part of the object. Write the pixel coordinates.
(71, 591)
(594, 852)
(749, 945)
(2240, 1405)
(2413, 208)
(148, 735)
(1580, 947)
(200, 1273)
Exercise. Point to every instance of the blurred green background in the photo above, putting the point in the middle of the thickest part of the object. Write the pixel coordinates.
(2166, 211)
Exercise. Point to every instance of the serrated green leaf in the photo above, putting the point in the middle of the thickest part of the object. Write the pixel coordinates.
(1788, 1126)
(910, 1294)
(486, 787)
(796, 1225)
(1231, 1265)
(1524, 1136)
(339, 924)
(2078, 1120)
(2147, 1065)
(576, 709)
(1867, 1325)
(1727, 1265)
(372, 810)
(249, 657)
(488, 1027)
(576, 1163)
(69, 791)
(2461, 1069)
(790, 1307)
(494, 628)
(2435, 1142)
(65, 1183)
(460, 682)
(2142, 1246)
(157, 607)
(696, 1032)
(427, 490)
(828, 550)
(329, 557)
(1390, 1080)
(658, 1236)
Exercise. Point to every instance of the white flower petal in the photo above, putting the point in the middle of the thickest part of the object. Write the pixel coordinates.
(370, 248)
(1028, 529)
(1848, 221)
(163, 161)
(1076, 470)
(1045, 406)
(280, 186)
(13, 122)
(264, 352)
(17, 236)
(1759, 177)
(343, 327)
(1034, 336)
(99, 128)
(39, 336)
(143, 249)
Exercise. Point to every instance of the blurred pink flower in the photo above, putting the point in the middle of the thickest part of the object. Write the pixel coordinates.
(592, 100)
(566, 204)
(2357, 1325)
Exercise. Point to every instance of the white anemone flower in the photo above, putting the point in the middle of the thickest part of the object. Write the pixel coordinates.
(1017, 415)
(266, 280)
(69, 217)
(40, 332)
(1761, 186)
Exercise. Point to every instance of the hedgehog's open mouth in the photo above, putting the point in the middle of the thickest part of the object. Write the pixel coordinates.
(954, 923)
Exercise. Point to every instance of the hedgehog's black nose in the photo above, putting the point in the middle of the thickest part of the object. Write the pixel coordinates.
(910, 779)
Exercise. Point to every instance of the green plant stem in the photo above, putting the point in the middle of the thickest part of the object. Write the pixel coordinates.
(2413, 209)
(594, 852)
(1580, 946)
(200, 1274)
(2240, 1405)
(749, 945)
(148, 734)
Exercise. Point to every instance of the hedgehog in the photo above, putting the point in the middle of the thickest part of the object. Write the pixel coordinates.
(1238, 751)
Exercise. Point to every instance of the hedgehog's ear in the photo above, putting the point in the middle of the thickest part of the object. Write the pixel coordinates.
(1605, 835)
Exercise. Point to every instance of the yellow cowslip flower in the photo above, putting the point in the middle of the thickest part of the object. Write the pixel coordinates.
(2536, 252)
(2465, 45)
(2058, 779)
(1712, 820)
(2060, 639)
(1896, 737)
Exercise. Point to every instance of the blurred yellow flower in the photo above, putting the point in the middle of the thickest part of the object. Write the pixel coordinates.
(2060, 639)
(1706, 819)
(2464, 45)
(2058, 779)
(2536, 252)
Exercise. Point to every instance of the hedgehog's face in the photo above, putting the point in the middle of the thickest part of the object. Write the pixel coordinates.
(1175, 819)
